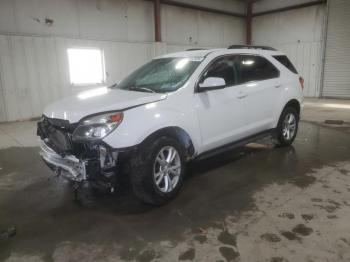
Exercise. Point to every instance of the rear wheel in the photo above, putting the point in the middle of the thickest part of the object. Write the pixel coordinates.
(158, 170)
(287, 126)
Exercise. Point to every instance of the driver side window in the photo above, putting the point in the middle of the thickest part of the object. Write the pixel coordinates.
(223, 67)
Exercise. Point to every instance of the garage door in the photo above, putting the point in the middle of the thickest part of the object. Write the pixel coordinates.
(337, 60)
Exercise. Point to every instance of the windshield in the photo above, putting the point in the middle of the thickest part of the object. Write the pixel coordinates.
(161, 75)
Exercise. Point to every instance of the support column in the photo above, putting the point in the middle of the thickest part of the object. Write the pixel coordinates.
(157, 30)
(249, 18)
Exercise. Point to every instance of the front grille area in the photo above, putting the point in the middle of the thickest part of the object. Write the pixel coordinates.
(57, 134)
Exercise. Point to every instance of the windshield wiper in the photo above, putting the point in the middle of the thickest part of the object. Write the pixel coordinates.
(142, 88)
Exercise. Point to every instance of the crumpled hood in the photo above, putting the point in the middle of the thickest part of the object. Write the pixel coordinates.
(98, 100)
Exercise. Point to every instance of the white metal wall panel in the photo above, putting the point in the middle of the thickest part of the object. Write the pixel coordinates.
(298, 33)
(307, 59)
(7, 76)
(216, 30)
(33, 76)
(210, 29)
(20, 77)
(30, 17)
(234, 31)
(181, 26)
(34, 70)
(116, 20)
(7, 18)
(127, 20)
(2, 104)
(103, 19)
(337, 57)
(140, 21)
(33, 55)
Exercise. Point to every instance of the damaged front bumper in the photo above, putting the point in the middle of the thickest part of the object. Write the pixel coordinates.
(94, 162)
(69, 166)
(100, 170)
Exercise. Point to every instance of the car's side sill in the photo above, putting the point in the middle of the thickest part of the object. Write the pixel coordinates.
(235, 144)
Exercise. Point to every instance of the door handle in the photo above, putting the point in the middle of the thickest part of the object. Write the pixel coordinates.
(278, 86)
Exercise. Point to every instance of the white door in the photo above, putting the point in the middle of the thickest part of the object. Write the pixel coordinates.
(221, 112)
(262, 87)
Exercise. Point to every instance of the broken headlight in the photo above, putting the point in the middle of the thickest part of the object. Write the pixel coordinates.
(98, 126)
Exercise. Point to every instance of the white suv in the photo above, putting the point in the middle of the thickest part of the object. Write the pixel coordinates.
(175, 108)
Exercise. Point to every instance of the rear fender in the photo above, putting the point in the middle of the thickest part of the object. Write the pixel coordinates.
(290, 93)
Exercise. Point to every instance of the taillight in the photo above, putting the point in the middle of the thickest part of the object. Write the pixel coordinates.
(301, 81)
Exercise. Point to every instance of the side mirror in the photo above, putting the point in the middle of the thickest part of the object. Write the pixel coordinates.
(211, 83)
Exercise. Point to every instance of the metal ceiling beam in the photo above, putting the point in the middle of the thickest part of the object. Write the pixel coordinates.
(200, 8)
(288, 8)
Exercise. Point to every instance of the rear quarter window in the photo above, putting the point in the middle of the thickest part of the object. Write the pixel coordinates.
(284, 60)
(255, 68)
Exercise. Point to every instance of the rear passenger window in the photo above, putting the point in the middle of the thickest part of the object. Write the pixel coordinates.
(223, 67)
(255, 68)
(286, 62)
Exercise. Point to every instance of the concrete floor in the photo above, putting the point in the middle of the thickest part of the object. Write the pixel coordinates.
(319, 110)
(258, 203)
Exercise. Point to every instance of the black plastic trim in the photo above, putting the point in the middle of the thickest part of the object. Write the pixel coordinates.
(235, 144)
(212, 152)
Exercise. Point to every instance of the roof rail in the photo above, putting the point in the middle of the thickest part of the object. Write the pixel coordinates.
(196, 49)
(252, 47)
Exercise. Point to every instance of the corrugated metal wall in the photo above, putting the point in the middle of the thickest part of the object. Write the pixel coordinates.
(184, 26)
(337, 57)
(34, 70)
(307, 59)
(33, 58)
(298, 33)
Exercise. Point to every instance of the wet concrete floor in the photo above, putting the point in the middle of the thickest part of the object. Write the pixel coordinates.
(228, 209)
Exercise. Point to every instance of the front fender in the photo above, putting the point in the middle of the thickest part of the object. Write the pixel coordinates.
(140, 122)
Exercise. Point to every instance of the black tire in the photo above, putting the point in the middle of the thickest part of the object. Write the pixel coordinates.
(141, 175)
(282, 140)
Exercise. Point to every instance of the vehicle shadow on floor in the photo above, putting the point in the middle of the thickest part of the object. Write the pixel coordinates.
(222, 169)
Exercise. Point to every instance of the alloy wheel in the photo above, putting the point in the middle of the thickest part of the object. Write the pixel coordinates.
(289, 126)
(167, 169)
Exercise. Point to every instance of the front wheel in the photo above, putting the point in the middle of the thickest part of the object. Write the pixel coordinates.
(287, 126)
(158, 170)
